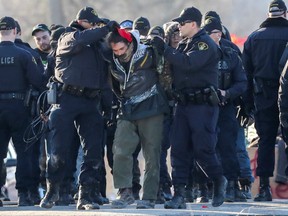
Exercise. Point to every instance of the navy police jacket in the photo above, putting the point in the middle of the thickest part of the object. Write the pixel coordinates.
(232, 76)
(18, 70)
(79, 61)
(194, 62)
(261, 55)
(36, 56)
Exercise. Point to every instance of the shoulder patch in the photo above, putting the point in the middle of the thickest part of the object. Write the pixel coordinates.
(202, 46)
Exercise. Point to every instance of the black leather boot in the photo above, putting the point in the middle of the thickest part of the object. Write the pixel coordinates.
(34, 196)
(239, 195)
(23, 198)
(167, 191)
(264, 191)
(189, 196)
(64, 198)
(230, 191)
(136, 190)
(203, 193)
(245, 187)
(178, 200)
(84, 200)
(51, 196)
(95, 194)
(219, 190)
(160, 195)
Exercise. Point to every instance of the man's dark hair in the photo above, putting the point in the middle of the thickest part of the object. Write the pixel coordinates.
(114, 37)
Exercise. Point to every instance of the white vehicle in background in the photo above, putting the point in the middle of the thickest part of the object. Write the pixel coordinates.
(8, 192)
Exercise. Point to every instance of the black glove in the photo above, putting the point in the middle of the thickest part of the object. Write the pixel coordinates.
(159, 44)
(112, 25)
(245, 119)
(284, 119)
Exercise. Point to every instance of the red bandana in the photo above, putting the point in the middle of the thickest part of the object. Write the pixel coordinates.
(125, 34)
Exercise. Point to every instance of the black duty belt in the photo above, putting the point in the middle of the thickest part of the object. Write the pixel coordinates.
(81, 91)
(200, 96)
(8, 96)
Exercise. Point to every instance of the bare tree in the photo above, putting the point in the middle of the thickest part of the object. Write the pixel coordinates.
(56, 11)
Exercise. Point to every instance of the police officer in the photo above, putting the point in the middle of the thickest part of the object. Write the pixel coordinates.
(195, 78)
(80, 68)
(36, 171)
(142, 25)
(232, 83)
(18, 69)
(68, 185)
(226, 38)
(261, 55)
(224, 30)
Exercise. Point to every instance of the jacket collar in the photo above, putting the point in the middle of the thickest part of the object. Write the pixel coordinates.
(274, 22)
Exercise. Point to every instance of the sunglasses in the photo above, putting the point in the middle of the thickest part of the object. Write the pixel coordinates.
(183, 23)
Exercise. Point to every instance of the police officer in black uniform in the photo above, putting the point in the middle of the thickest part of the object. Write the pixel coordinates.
(232, 83)
(261, 55)
(68, 187)
(18, 70)
(224, 30)
(36, 172)
(195, 78)
(80, 68)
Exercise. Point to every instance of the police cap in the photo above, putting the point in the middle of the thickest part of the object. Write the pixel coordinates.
(277, 8)
(89, 14)
(189, 14)
(7, 23)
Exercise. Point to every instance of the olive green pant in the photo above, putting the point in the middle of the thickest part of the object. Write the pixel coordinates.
(148, 132)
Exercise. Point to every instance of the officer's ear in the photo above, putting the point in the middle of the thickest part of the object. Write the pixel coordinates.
(14, 31)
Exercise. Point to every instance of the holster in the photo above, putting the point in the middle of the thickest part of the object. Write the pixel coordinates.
(179, 97)
(225, 81)
(30, 100)
(201, 96)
